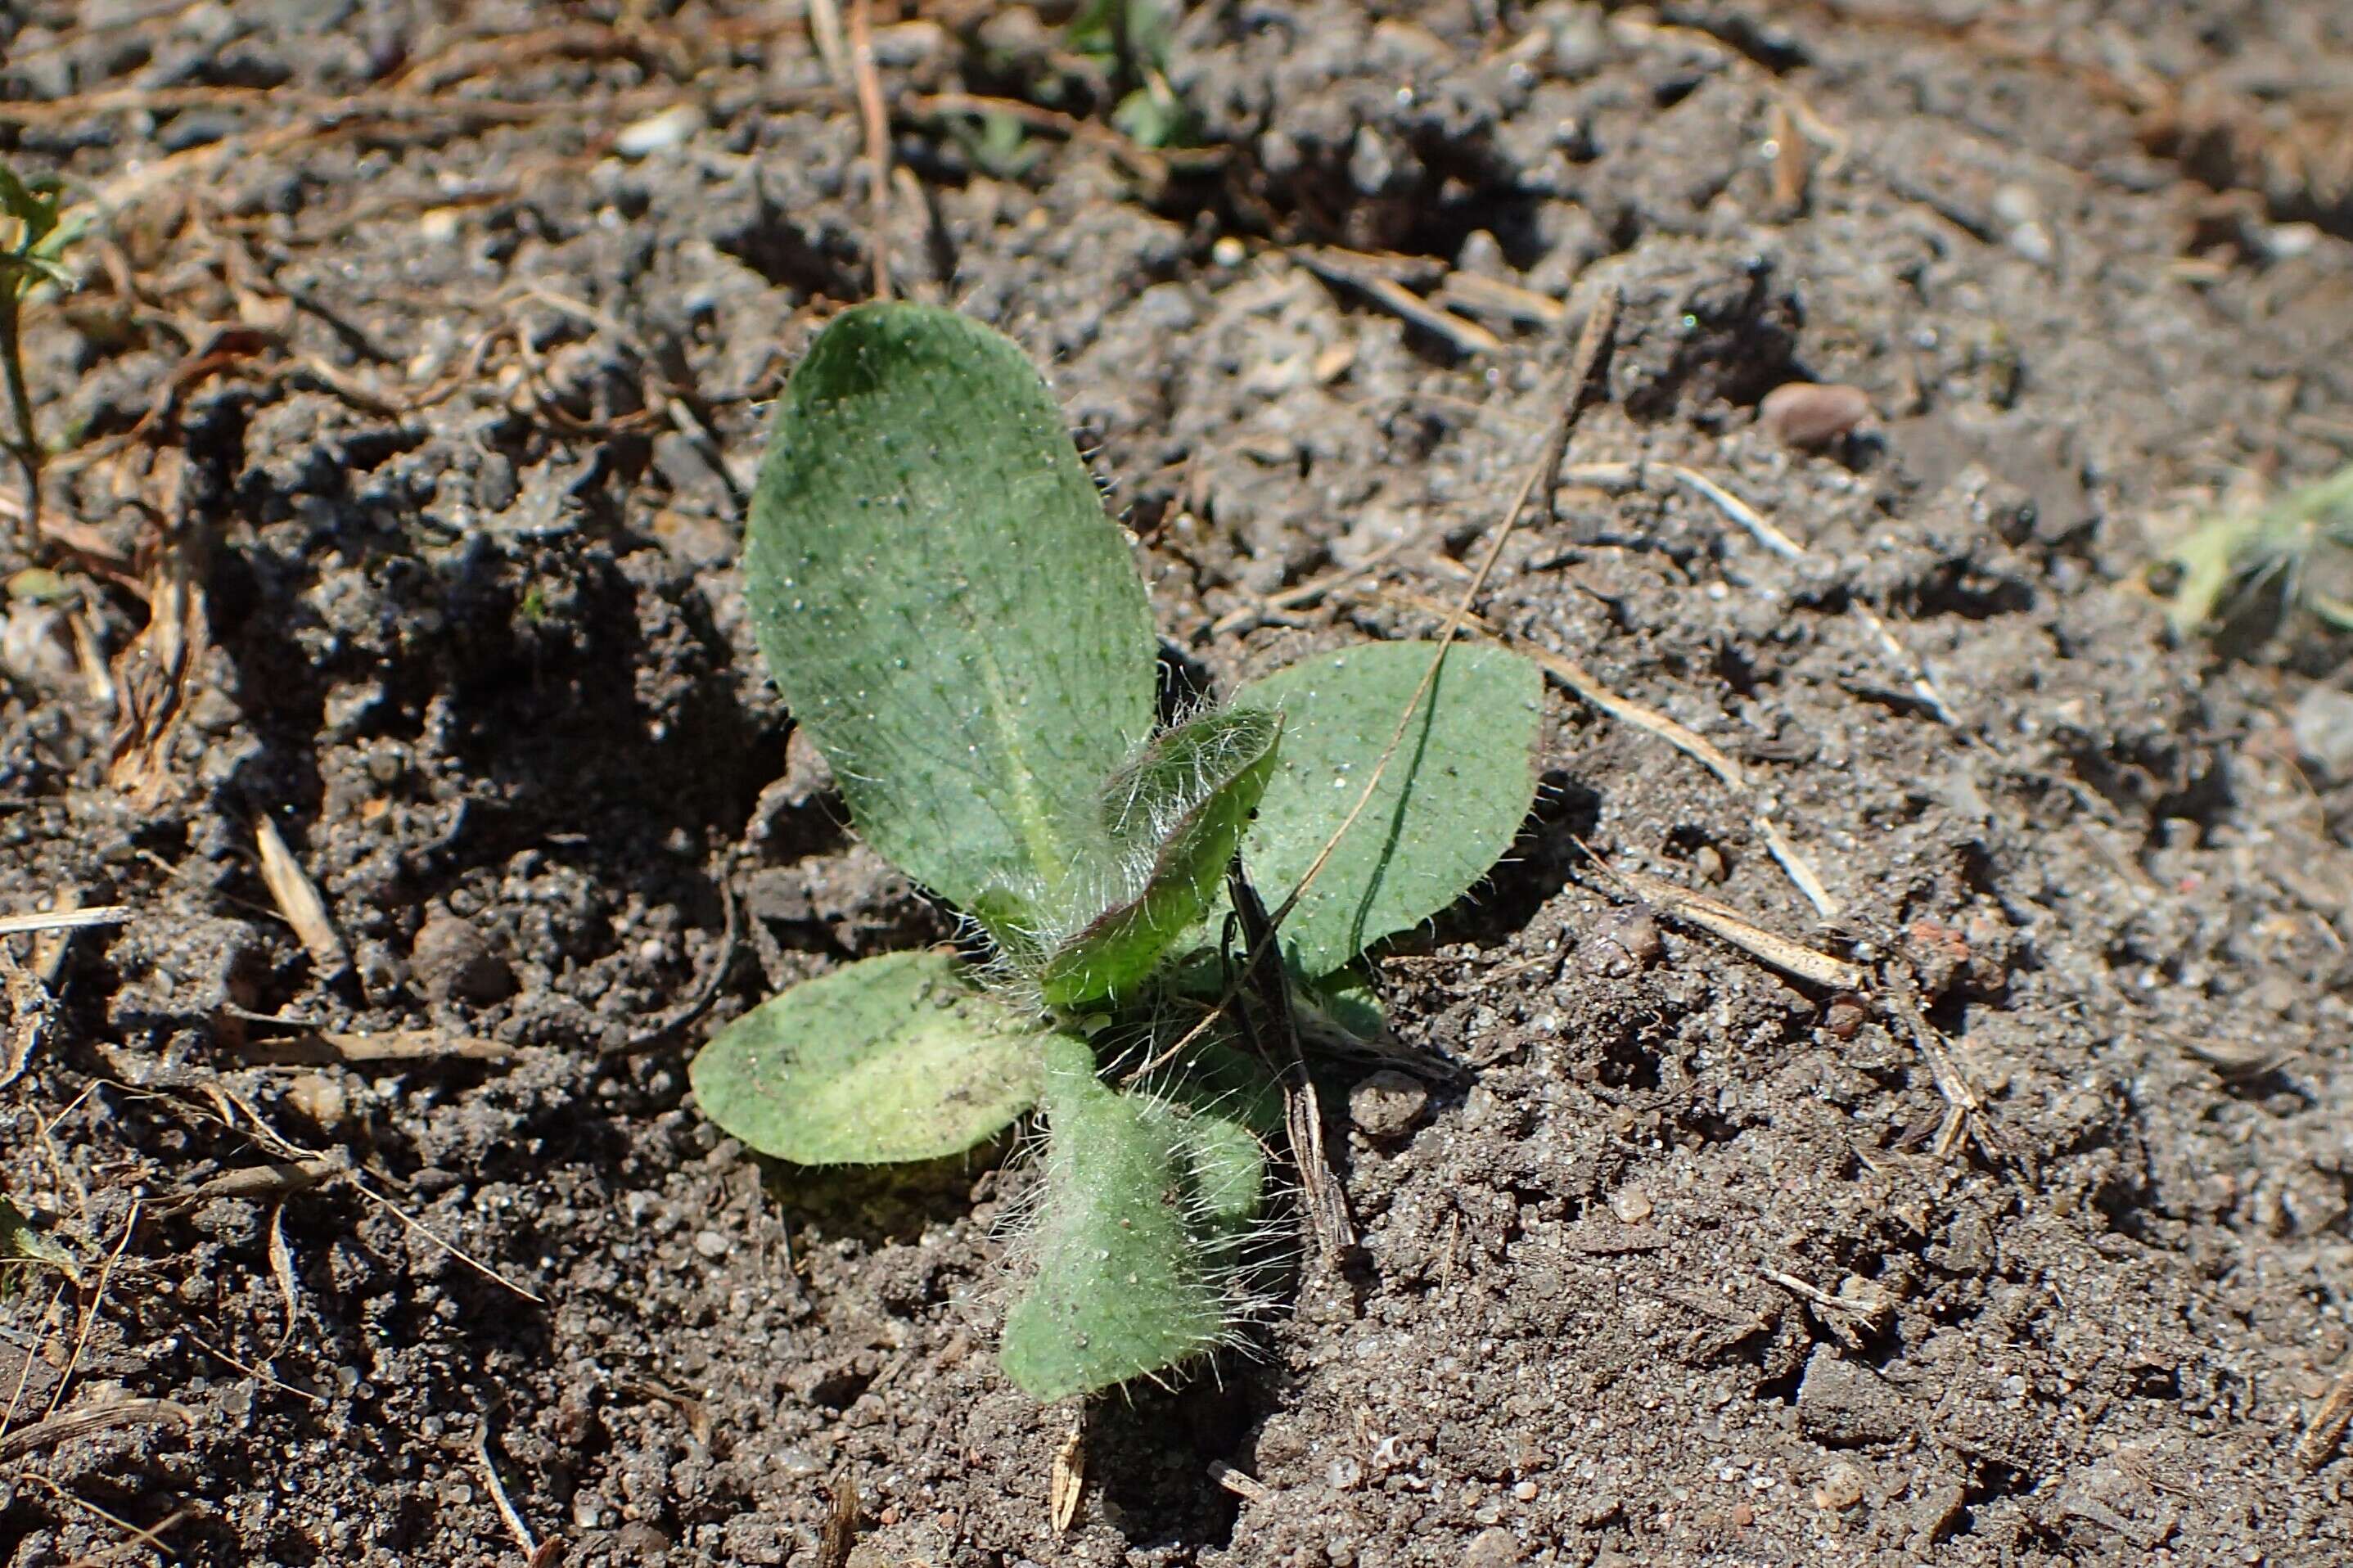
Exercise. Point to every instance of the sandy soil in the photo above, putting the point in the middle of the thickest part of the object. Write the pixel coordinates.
(405, 413)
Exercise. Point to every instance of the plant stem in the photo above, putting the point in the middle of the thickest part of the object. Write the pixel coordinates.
(27, 443)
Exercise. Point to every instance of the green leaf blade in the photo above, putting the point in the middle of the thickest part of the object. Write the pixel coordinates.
(942, 600)
(1124, 1285)
(894, 1059)
(1449, 805)
(1173, 818)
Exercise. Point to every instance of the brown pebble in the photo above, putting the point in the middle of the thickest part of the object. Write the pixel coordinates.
(1491, 1548)
(320, 1098)
(451, 957)
(1388, 1104)
(1840, 1487)
(1811, 414)
(1743, 1516)
(1843, 1017)
(1621, 942)
(1631, 1205)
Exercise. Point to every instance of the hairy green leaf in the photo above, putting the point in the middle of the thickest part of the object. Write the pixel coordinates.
(942, 602)
(1170, 821)
(892, 1059)
(1135, 1228)
(1448, 806)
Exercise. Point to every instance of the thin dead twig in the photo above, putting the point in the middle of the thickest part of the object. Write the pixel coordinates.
(64, 919)
(1066, 1482)
(90, 1308)
(1480, 296)
(135, 1538)
(92, 1418)
(693, 1007)
(330, 1047)
(1272, 1027)
(1600, 327)
(298, 1168)
(1924, 686)
(274, 1180)
(1339, 267)
(1148, 164)
(1721, 920)
(877, 125)
(1965, 1109)
(1738, 511)
(1307, 593)
(1242, 1484)
(514, 1520)
(1858, 1308)
(297, 899)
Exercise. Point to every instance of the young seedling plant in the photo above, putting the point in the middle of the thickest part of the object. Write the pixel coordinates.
(957, 624)
(33, 234)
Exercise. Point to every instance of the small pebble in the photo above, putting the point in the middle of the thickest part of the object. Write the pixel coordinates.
(1840, 1487)
(1493, 1548)
(2322, 723)
(1622, 941)
(451, 957)
(1228, 251)
(1811, 414)
(1526, 1491)
(1710, 864)
(644, 136)
(1633, 1205)
(1843, 1017)
(711, 1244)
(320, 1098)
(1388, 1104)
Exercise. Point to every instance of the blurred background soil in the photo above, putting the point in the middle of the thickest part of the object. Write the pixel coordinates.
(405, 414)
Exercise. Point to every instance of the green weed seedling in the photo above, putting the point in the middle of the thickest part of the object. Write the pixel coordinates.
(34, 235)
(2240, 566)
(958, 626)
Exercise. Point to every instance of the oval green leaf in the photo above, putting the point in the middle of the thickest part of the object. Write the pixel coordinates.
(891, 1059)
(942, 602)
(1449, 805)
(1135, 1220)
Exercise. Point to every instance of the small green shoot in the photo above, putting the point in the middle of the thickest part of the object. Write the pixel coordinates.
(2297, 553)
(1132, 40)
(960, 629)
(21, 1243)
(33, 234)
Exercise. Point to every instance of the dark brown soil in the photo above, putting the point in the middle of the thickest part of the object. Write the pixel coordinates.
(443, 397)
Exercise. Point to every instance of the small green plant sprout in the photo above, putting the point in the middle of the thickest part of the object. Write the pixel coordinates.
(34, 235)
(1132, 40)
(959, 628)
(2244, 567)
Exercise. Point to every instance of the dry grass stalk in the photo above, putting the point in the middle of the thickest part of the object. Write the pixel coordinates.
(152, 678)
(1066, 1482)
(81, 1421)
(1721, 920)
(330, 1048)
(62, 919)
(297, 899)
